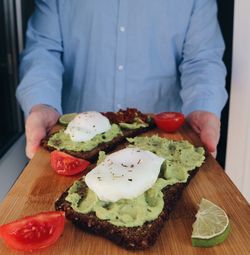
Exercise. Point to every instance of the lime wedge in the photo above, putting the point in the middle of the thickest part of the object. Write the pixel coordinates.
(66, 118)
(211, 226)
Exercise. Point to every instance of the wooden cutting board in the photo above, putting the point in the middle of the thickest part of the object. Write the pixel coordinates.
(39, 186)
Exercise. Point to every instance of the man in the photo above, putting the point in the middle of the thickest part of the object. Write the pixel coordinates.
(162, 55)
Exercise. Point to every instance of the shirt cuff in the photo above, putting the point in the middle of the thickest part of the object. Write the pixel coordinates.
(30, 99)
(202, 105)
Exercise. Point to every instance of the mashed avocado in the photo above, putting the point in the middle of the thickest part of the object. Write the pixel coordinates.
(61, 140)
(138, 123)
(181, 157)
(125, 212)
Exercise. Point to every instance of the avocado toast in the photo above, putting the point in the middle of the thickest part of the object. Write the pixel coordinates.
(130, 228)
(123, 124)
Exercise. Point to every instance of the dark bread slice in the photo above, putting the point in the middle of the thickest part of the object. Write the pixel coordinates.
(92, 155)
(132, 238)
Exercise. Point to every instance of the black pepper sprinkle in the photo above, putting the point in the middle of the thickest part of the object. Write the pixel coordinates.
(132, 166)
(123, 165)
(138, 161)
(130, 180)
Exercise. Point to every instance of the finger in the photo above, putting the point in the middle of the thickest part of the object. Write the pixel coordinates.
(214, 154)
(35, 131)
(210, 137)
(33, 141)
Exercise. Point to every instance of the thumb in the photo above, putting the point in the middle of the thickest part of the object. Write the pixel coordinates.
(207, 125)
(35, 132)
(33, 141)
(40, 119)
(210, 137)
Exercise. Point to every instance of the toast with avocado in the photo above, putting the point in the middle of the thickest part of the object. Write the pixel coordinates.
(90, 132)
(130, 193)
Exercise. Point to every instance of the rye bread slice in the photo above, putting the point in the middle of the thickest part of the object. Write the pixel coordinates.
(92, 155)
(131, 238)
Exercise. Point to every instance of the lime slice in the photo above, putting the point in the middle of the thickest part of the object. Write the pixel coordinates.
(66, 118)
(211, 226)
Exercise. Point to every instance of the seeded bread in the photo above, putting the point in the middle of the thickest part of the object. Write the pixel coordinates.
(122, 116)
(131, 238)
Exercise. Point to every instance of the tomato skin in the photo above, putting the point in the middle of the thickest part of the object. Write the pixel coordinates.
(169, 121)
(33, 232)
(65, 164)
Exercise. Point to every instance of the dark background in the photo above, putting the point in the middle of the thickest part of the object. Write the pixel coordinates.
(225, 15)
(11, 124)
(27, 9)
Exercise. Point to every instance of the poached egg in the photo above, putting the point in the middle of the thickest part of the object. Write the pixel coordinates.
(125, 174)
(87, 125)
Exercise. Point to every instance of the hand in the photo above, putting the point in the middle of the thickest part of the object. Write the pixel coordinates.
(40, 120)
(207, 125)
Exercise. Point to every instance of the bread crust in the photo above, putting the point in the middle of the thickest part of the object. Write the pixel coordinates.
(131, 238)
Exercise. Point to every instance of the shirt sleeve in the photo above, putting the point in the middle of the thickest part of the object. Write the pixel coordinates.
(202, 69)
(41, 67)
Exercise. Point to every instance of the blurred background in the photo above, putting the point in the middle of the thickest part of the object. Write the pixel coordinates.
(14, 15)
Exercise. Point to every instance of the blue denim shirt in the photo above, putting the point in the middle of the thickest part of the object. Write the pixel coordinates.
(156, 55)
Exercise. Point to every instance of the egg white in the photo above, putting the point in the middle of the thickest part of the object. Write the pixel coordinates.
(87, 125)
(125, 174)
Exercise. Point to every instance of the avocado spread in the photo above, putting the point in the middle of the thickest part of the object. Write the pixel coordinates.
(61, 140)
(134, 125)
(138, 123)
(181, 157)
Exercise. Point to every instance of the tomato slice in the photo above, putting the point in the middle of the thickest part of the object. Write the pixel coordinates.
(66, 164)
(33, 232)
(169, 121)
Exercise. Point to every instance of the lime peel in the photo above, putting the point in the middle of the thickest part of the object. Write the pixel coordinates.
(197, 242)
(211, 226)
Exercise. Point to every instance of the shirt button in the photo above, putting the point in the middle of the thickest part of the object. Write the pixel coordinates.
(122, 28)
(120, 67)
